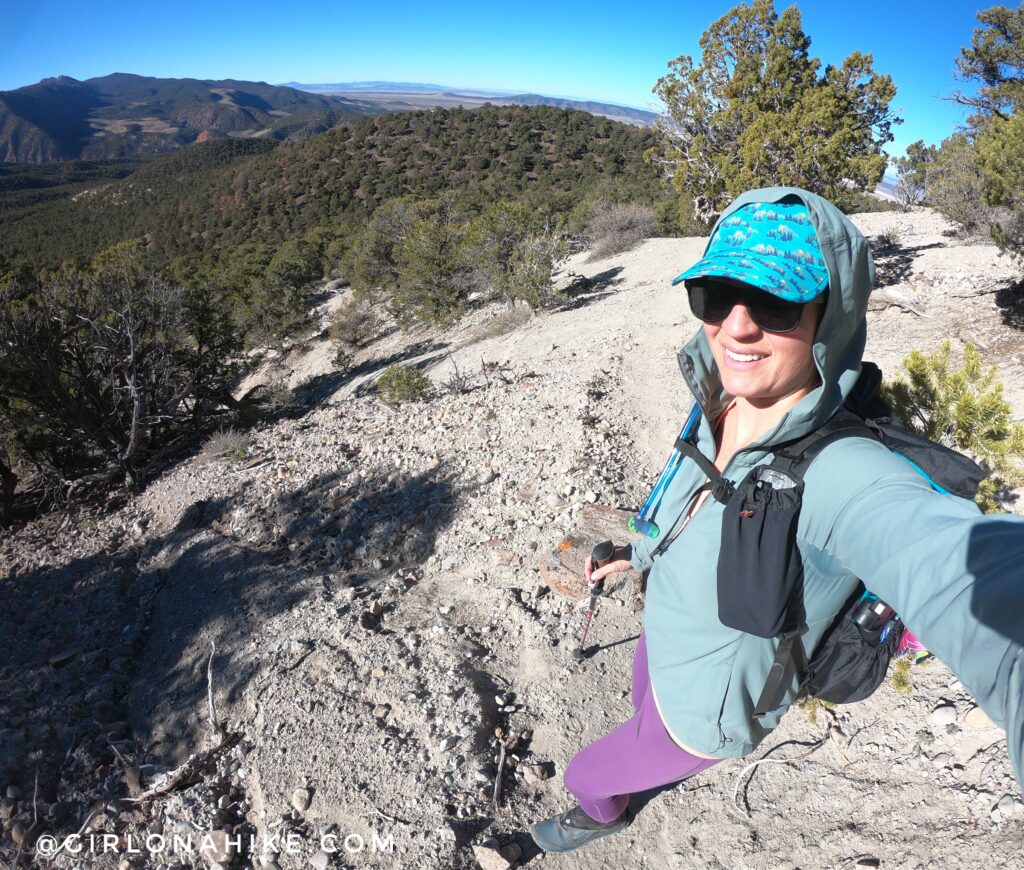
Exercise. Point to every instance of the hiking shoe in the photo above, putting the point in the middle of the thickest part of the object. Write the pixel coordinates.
(572, 829)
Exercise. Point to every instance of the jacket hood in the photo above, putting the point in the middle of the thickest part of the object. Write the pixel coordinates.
(841, 336)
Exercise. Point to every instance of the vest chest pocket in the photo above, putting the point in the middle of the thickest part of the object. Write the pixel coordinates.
(760, 571)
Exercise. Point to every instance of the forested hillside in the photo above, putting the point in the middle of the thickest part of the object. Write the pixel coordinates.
(199, 204)
(195, 256)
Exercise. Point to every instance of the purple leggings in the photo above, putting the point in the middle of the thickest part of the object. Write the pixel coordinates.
(636, 756)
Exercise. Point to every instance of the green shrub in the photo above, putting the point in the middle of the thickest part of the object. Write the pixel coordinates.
(434, 277)
(402, 384)
(887, 240)
(354, 323)
(859, 201)
(342, 360)
(963, 409)
(813, 706)
(899, 676)
(956, 185)
(912, 186)
(104, 368)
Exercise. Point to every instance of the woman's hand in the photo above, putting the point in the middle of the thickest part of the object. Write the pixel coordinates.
(618, 562)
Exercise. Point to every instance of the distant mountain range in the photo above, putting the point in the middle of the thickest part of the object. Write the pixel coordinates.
(374, 86)
(407, 96)
(887, 187)
(125, 115)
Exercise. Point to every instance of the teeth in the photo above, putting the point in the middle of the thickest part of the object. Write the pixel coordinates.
(744, 357)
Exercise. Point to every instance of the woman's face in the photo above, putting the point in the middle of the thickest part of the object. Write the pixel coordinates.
(765, 367)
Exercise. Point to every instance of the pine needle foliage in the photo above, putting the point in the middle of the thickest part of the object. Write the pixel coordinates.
(401, 384)
(982, 175)
(964, 409)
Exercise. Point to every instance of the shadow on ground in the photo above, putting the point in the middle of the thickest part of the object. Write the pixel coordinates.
(1010, 302)
(96, 649)
(585, 291)
(223, 589)
(894, 263)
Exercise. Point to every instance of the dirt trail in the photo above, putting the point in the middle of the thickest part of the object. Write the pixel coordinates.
(368, 576)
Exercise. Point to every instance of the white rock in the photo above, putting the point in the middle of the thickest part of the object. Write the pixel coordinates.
(301, 799)
(489, 859)
(535, 773)
(944, 714)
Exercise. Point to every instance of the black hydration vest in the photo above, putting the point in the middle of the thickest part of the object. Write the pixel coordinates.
(760, 572)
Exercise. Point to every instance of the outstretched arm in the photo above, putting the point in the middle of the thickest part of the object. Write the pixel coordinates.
(956, 577)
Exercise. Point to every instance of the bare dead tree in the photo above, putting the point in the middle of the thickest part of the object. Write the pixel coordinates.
(8, 483)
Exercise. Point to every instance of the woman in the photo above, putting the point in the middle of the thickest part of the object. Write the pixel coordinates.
(782, 291)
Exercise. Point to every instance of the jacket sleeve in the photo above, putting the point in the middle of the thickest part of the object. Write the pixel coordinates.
(640, 553)
(955, 576)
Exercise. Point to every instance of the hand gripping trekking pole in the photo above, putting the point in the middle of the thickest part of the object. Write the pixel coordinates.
(600, 555)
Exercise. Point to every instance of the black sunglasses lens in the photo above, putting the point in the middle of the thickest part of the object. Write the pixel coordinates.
(778, 315)
(713, 305)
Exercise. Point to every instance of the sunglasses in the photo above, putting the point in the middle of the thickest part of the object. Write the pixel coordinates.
(712, 302)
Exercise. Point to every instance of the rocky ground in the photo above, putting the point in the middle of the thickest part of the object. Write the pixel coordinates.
(355, 595)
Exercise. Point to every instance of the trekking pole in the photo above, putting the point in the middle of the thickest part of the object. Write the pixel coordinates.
(600, 555)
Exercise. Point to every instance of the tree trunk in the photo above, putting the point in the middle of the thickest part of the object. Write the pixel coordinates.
(8, 483)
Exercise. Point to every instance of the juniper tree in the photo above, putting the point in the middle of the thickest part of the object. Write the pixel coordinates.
(759, 110)
(912, 186)
(515, 253)
(533, 265)
(433, 273)
(956, 184)
(375, 252)
(493, 240)
(995, 60)
(102, 368)
(1000, 151)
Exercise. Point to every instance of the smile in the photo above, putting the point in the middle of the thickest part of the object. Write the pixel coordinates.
(744, 357)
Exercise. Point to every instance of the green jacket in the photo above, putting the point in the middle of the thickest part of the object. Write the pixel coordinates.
(955, 576)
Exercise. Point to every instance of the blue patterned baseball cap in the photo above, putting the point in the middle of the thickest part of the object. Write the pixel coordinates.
(772, 246)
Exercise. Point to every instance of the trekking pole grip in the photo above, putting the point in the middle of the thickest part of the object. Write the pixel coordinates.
(600, 556)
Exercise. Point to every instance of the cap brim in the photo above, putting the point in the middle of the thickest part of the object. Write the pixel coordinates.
(783, 277)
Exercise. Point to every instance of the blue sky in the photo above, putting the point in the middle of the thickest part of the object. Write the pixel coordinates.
(614, 52)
